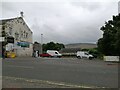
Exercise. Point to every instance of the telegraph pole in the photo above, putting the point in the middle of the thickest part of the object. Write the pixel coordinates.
(41, 43)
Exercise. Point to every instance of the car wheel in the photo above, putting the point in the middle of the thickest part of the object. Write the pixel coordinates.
(90, 58)
(78, 57)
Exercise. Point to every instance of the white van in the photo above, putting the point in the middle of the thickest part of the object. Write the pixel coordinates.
(83, 54)
(54, 53)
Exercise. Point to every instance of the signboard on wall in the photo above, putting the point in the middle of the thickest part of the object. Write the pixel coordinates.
(23, 44)
(10, 39)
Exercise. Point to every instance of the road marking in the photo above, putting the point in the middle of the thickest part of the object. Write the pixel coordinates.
(62, 84)
(20, 66)
(0, 82)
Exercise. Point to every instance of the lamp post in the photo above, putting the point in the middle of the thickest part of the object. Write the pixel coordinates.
(41, 43)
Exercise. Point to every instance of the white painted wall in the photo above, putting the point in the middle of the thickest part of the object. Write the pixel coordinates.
(24, 51)
(112, 58)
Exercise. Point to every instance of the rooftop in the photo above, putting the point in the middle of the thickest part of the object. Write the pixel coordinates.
(6, 20)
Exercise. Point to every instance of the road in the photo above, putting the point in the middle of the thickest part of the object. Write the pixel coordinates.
(59, 72)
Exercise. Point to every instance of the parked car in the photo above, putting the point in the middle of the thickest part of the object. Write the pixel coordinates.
(83, 54)
(54, 53)
(45, 55)
(9, 54)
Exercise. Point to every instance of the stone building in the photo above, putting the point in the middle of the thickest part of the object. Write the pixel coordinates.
(19, 36)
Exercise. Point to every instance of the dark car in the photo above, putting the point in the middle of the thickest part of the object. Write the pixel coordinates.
(45, 55)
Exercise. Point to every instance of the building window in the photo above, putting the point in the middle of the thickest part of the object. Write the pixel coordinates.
(10, 31)
(21, 34)
(16, 36)
(26, 35)
(23, 23)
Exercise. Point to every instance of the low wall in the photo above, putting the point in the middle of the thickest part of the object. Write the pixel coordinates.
(112, 58)
(24, 52)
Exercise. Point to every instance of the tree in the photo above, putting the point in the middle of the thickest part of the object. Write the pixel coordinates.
(52, 46)
(109, 44)
(36, 42)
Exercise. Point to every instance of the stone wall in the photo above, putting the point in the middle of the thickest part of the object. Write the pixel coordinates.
(18, 29)
(24, 51)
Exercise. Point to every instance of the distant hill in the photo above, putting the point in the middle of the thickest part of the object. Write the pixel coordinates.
(81, 45)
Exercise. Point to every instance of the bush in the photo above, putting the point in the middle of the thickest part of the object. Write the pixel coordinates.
(94, 52)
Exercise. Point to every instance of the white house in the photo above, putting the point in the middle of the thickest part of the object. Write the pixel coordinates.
(22, 36)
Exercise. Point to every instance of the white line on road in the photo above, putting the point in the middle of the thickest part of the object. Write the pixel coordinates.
(62, 84)
(20, 66)
(0, 82)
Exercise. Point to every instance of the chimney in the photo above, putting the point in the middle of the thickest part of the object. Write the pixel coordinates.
(21, 13)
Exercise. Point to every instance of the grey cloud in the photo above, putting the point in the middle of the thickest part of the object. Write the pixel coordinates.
(87, 5)
(65, 22)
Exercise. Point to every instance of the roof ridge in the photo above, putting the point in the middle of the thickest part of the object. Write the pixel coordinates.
(10, 19)
(6, 20)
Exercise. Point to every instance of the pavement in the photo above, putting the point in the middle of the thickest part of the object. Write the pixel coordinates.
(59, 73)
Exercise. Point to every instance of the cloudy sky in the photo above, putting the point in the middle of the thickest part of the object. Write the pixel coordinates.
(63, 21)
